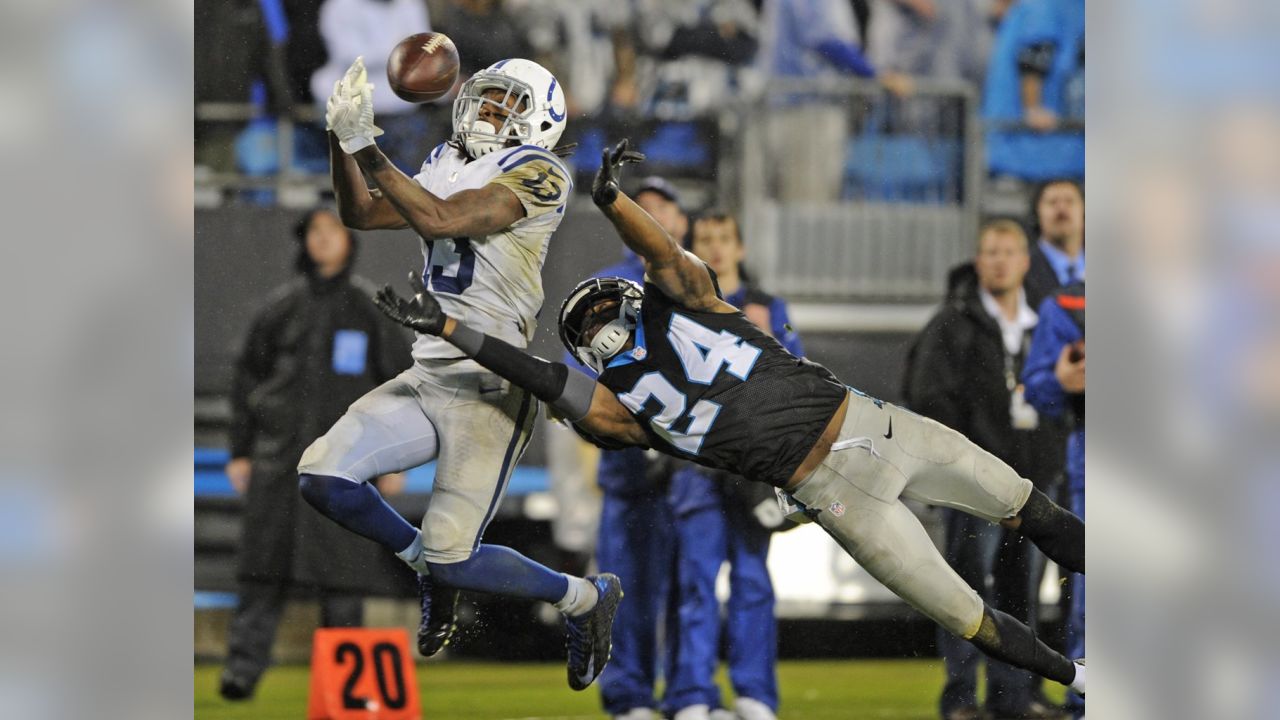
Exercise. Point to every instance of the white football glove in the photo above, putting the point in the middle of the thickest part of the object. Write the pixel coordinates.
(349, 111)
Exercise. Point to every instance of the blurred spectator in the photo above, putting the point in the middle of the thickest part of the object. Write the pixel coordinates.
(806, 135)
(723, 518)
(371, 28)
(317, 346)
(1035, 79)
(931, 38)
(693, 53)
(483, 31)
(964, 374)
(1055, 381)
(306, 51)
(589, 45)
(233, 50)
(1057, 208)
(637, 537)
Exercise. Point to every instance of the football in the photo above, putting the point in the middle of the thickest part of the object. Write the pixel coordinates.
(423, 67)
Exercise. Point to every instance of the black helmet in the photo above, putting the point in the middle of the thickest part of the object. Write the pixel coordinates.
(610, 340)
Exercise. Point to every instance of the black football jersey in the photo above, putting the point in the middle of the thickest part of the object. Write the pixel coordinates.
(714, 388)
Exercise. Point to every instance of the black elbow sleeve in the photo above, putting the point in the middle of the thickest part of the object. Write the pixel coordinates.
(569, 393)
(1036, 59)
(544, 379)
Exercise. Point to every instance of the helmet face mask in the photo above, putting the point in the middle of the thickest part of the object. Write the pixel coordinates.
(532, 102)
(598, 318)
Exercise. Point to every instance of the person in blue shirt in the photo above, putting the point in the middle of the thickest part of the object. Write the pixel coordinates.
(1054, 377)
(716, 521)
(1057, 257)
(635, 540)
(1035, 78)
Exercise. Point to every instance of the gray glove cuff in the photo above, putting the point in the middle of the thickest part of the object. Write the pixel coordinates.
(575, 401)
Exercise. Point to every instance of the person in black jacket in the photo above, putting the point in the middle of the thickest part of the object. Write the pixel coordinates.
(317, 345)
(965, 375)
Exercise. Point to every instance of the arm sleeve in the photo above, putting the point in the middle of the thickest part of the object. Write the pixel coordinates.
(846, 56)
(1036, 59)
(935, 380)
(541, 183)
(568, 392)
(1040, 384)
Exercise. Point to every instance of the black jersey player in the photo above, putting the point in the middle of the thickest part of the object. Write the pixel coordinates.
(684, 372)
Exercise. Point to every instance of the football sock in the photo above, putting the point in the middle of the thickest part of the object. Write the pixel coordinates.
(579, 598)
(503, 571)
(412, 555)
(358, 507)
(1078, 683)
(1057, 532)
(1004, 638)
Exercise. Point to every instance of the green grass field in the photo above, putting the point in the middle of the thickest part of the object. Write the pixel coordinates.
(812, 690)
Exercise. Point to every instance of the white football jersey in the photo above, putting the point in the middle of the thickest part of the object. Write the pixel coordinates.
(494, 283)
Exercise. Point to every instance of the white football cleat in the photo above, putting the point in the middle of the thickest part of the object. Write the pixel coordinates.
(693, 712)
(745, 708)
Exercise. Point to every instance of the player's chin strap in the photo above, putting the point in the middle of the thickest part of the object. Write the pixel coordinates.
(611, 338)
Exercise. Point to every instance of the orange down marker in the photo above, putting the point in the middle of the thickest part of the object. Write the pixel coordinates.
(362, 674)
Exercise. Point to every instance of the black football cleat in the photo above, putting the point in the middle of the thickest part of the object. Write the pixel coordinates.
(439, 616)
(235, 687)
(590, 635)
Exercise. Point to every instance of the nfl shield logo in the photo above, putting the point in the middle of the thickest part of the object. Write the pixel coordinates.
(638, 353)
(837, 508)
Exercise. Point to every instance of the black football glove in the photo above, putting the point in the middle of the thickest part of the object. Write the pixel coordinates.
(604, 190)
(422, 313)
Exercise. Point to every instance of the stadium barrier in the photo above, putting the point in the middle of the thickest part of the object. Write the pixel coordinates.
(900, 195)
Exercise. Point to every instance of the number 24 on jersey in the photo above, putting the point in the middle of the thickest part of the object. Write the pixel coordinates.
(702, 352)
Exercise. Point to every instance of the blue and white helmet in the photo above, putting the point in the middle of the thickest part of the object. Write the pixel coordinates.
(537, 117)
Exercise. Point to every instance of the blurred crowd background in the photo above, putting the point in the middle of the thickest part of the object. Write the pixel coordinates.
(857, 147)
(98, 156)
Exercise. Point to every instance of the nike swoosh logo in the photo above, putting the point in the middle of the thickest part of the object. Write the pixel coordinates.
(889, 434)
(586, 677)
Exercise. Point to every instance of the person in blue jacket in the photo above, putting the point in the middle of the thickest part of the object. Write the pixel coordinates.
(1035, 79)
(716, 521)
(1054, 377)
(636, 537)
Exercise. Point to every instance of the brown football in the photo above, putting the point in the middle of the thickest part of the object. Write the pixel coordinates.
(423, 67)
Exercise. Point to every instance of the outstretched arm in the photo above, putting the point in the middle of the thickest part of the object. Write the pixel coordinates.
(358, 208)
(679, 273)
(470, 213)
(572, 394)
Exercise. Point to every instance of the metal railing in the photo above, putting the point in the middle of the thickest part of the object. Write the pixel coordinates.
(899, 203)
(292, 186)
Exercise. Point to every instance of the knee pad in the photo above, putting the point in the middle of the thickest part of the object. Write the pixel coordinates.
(1003, 484)
(328, 455)
(450, 529)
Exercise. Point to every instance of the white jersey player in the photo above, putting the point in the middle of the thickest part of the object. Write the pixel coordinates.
(485, 204)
